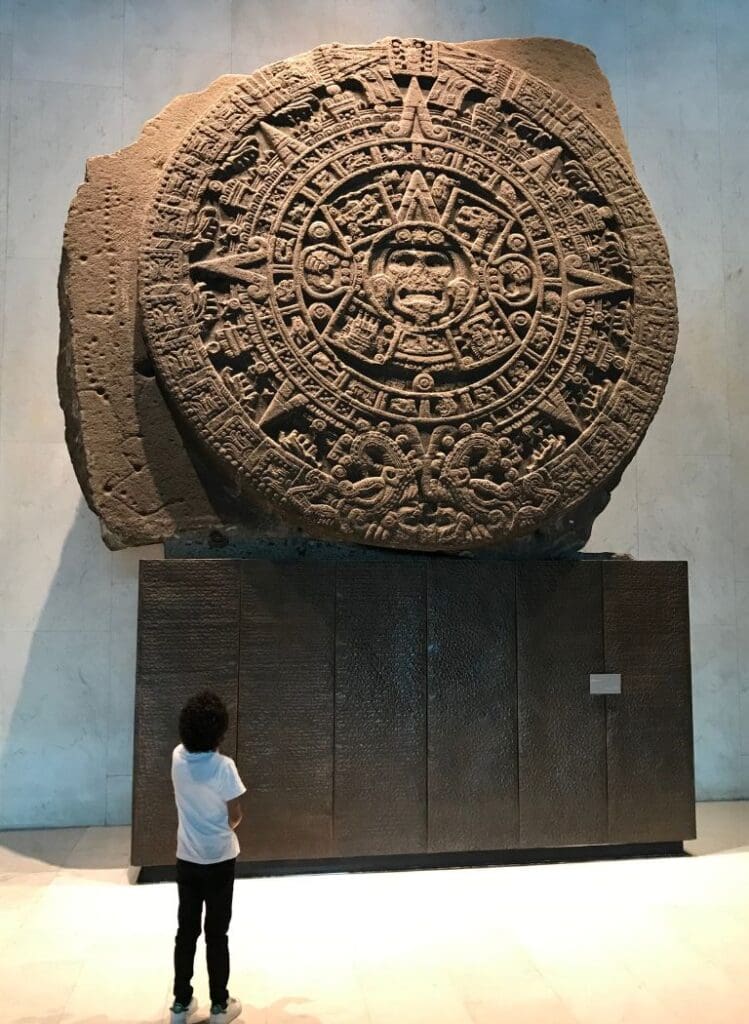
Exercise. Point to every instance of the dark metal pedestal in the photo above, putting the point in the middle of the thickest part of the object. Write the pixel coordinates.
(405, 712)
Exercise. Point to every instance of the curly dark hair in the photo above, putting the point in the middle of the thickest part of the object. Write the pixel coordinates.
(203, 722)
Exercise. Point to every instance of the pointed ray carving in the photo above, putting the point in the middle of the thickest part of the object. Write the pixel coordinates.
(284, 144)
(556, 408)
(543, 164)
(592, 285)
(285, 400)
(418, 202)
(236, 266)
(416, 120)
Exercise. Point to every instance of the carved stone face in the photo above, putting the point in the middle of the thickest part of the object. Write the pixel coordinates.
(420, 279)
(420, 282)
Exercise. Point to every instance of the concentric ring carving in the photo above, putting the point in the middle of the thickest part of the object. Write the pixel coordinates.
(407, 294)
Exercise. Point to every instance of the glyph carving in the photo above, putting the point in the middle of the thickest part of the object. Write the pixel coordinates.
(407, 294)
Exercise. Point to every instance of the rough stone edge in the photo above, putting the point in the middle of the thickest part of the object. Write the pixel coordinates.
(575, 73)
(137, 169)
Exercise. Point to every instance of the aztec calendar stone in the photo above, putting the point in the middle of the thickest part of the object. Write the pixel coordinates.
(406, 295)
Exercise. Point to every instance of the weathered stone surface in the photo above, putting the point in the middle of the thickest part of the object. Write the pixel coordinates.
(405, 294)
(130, 461)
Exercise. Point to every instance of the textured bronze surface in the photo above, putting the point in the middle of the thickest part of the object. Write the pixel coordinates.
(286, 692)
(380, 710)
(406, 294)
(188, 624)
(561, 726)
(650, 750)
(472, 706)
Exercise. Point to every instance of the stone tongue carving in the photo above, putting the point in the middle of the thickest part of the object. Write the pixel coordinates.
(406, 294)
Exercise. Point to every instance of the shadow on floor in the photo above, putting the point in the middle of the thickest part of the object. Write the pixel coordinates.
(34, 850)
(276, 1012)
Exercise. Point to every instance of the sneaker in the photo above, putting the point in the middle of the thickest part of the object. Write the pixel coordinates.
(223, 1014)
(179, 1012)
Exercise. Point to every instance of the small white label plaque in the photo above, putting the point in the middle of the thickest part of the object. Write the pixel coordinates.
(605, 682)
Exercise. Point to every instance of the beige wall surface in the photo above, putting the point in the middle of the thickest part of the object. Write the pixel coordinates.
(79, 77)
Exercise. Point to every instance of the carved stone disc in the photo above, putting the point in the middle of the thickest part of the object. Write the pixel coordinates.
(407, 294)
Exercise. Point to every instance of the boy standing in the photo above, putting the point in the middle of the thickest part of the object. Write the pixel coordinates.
(207, 788)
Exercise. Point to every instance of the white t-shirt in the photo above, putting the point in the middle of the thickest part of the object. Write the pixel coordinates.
(202, 785)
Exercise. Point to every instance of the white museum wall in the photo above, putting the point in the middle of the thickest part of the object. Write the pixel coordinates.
(78, 78)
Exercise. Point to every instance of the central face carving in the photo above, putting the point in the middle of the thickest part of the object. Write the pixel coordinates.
(420, 279)
(417, 274)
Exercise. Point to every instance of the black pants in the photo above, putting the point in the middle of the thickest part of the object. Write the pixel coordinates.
(212, 884)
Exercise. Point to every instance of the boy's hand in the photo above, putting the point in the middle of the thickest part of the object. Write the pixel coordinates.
(234, 811)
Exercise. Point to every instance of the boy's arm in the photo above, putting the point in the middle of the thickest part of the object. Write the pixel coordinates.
(234, 810)
(233, 789)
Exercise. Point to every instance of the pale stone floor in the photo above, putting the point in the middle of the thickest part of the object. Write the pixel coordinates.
(654, 941)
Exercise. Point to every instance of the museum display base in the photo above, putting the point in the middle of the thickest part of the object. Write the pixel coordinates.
(386, 714)
(434, 861)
